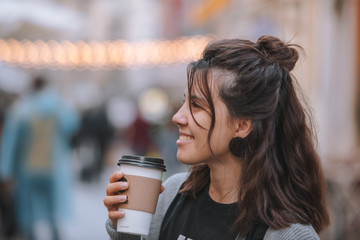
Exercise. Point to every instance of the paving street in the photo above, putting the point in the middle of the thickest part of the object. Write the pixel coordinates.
(89, 213)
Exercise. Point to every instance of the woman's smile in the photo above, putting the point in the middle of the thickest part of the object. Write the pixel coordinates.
(183, 138)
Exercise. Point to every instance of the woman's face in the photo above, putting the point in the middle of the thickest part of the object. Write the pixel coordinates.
(193, 147)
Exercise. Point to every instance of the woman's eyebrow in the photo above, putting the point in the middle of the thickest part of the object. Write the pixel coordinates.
(197, 97)
(193, 96)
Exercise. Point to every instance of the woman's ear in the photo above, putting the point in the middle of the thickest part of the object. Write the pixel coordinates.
(243, 128)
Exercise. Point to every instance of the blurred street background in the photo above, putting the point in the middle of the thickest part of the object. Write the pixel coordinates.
(96, 79)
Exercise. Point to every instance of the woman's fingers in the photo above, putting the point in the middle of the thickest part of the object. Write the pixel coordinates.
(113, 199)
(116, 176)
(111, 202)
(115, 215)
(115, 187)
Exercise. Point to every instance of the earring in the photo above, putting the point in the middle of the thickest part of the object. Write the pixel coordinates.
(238, 147)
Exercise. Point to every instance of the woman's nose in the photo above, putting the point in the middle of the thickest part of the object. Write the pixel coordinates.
(179, 117)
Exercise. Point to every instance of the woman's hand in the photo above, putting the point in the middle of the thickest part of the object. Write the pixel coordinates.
(114, 197)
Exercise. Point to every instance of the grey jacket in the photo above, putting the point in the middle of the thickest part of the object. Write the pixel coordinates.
(172, 185)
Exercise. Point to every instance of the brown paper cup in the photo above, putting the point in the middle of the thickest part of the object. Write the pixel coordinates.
(144, 177)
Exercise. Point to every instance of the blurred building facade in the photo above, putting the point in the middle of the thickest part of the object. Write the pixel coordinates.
(328, 71)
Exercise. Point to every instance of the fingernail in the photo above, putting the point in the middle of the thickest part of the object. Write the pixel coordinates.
(124, 184)
(122, 198)
(119, 173)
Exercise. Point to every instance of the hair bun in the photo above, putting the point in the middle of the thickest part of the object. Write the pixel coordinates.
(276, 50)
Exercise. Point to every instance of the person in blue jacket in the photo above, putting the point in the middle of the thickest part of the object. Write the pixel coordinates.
(34, 156)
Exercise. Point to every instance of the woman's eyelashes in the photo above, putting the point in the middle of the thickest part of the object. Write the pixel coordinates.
(196, 104)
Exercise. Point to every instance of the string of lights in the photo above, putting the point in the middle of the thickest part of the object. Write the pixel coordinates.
(108, 55)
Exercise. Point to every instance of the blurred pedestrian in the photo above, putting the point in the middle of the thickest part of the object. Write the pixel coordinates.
(139, 135)
(8, 226)
(35, 156)
(255, 172)
(92, 142)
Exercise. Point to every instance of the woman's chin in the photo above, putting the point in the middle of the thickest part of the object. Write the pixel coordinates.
(187, 160)
(184, 161)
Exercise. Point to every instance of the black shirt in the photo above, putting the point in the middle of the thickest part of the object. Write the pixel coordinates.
(198, 219)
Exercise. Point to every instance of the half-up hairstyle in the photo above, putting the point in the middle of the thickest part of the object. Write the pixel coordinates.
(282, 181)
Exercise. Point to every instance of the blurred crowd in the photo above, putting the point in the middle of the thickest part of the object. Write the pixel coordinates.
(47, 144)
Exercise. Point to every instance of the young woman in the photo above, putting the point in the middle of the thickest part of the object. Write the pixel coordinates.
(255, 172)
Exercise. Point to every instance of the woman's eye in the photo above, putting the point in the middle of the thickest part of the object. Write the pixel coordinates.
(195, 104)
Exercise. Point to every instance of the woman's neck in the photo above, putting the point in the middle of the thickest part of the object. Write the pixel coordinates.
(225, 176)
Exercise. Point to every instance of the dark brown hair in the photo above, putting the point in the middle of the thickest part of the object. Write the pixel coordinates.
(282, 180)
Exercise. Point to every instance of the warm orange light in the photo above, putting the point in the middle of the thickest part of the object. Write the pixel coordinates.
(32, 54)
(45, 54)
(86, 54)
(118, 54)
(58, 54)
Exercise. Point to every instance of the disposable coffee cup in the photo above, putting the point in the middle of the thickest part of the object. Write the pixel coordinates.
(144, 176)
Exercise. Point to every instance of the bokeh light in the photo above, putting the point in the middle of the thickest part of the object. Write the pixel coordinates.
(105, 55)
